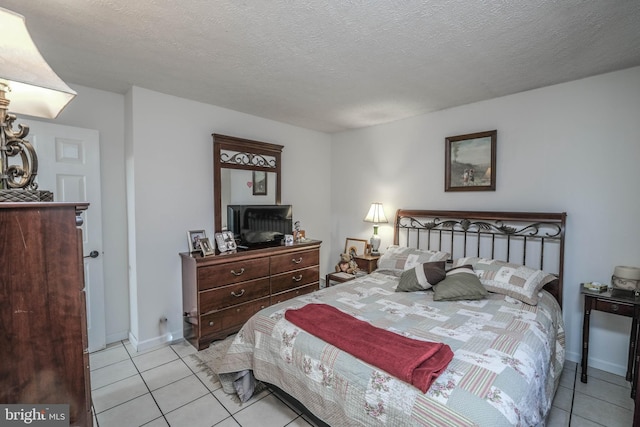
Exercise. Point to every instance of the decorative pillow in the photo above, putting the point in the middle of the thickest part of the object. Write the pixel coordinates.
(421, 277)
(397, 259)
(514, 280)
(461, 283)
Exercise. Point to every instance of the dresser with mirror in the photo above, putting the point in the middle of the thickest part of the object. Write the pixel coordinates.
(220, 292)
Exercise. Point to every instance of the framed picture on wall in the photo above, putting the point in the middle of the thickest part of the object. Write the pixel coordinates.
(259, 183)
(470, 162)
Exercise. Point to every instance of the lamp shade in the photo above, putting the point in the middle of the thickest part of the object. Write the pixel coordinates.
(376, 214)
(33, 88)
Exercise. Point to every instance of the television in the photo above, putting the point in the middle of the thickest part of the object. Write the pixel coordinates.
(256, 226)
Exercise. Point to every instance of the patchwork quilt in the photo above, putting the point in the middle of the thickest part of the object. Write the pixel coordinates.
(508, 357)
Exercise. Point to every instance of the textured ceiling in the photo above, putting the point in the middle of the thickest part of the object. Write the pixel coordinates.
(332, 65)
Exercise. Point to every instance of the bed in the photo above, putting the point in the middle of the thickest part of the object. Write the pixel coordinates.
(507, 335)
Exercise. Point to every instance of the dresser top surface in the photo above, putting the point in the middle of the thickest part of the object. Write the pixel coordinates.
(252, 253)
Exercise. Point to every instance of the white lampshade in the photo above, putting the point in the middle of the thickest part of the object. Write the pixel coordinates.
(376, 214)
(34, 89)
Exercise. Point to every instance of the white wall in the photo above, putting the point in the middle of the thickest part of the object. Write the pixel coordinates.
(104, 112)
(171, 191)
(572, 147)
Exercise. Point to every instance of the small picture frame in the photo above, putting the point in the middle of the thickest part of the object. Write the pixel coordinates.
(288, 239)
(470, 162)
(355, 247)
(193, 238)
(259, 183)
(205, 247)
(225, 241)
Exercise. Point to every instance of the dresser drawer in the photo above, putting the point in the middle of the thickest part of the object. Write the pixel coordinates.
(239, 293)
(615, 307)
(283, 296)
(231, 318)
(294, 279)
(232, 272)
(294, 261)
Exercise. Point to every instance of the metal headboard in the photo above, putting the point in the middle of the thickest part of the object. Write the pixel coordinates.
(527, 238)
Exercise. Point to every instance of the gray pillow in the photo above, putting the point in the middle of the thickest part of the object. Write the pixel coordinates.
(461, 283)
(421, 277)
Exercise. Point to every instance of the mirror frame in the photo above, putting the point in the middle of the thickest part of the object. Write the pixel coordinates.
(251, 155)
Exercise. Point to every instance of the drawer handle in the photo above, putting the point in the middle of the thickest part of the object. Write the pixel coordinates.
(297, 279)
(237, 295)
(297, 261)
(211, 323)
(614, 307)
(238, 273)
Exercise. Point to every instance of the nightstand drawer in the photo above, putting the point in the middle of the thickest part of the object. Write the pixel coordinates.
(367, 263)
(615, 308)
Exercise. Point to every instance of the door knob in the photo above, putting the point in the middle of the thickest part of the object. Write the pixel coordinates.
(93, 254)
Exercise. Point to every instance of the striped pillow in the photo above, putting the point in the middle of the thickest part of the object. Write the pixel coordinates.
(421, 277)
(514, 280)
(397, 259)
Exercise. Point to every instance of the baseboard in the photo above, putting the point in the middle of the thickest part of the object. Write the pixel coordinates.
(118, 336)
(155, 342)
(603, 365)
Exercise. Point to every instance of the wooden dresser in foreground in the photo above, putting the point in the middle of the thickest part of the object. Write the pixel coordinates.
(43, 333)
(221, 292)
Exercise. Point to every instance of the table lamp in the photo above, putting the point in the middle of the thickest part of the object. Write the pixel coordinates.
(31, 87)
(376, 216)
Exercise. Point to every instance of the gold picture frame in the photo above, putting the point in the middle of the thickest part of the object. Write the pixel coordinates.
(193, 239)
(355, 247)
(205, 247)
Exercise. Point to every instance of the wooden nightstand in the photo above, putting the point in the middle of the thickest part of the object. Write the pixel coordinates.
(627, 306)
(367, 263)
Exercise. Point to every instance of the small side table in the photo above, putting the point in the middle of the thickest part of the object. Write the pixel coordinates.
(339, 277)
(367, 263)
(627, 306)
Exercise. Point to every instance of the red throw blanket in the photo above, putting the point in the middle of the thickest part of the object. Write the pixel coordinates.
(416, 362)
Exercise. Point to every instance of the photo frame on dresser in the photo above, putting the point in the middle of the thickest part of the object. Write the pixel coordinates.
(205, 247)
(470, 162)
(193, 239)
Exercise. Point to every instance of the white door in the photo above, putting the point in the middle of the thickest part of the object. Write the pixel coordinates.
(69, 166)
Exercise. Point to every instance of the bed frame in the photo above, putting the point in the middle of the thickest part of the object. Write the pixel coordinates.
(527, 238)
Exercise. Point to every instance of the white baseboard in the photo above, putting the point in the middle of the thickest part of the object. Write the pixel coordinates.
(155, 342)
(603, 365)
(118, 336)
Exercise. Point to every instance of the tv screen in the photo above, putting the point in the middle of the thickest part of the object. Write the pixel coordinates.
(259, 225)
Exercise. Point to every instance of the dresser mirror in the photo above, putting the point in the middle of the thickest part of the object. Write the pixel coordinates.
(244, 172)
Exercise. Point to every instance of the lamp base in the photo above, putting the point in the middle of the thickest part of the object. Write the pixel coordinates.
(20, 195)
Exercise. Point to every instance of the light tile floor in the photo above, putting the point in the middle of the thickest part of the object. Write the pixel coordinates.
(165, 387)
